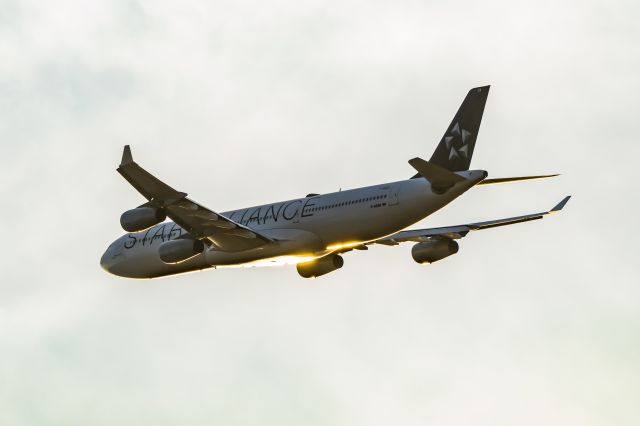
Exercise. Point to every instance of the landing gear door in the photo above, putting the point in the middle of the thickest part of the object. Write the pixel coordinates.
(392, 195)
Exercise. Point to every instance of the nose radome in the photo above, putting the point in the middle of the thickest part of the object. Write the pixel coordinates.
(106, 260)
(111, 258)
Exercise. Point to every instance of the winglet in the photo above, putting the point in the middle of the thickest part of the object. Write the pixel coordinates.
(127, 158)
(560, 205)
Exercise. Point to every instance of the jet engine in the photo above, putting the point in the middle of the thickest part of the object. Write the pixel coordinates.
(432, 251)
(318, 267)
(177, 251)
(141, 218)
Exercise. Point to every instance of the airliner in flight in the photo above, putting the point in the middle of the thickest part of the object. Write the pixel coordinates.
(312, 232)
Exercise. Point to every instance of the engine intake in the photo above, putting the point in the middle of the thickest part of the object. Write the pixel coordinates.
(141, 218)
(432, 251)
(177, 251)
(321, 266)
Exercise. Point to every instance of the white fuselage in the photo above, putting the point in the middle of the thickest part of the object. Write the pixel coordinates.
(303, 229)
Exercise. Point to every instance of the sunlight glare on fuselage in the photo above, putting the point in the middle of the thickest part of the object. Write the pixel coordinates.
(273, 261)
(339, 246)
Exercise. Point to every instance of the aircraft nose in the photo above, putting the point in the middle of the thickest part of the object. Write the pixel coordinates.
(105, 260)
(109, 259)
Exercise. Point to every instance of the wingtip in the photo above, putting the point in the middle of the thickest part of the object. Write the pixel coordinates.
(560, 205)
(127, 158)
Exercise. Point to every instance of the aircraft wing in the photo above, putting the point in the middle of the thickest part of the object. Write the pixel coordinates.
(199, 221)
(460, 231)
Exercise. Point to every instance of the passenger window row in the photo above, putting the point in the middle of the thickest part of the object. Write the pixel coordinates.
(329, 206)
(347, 203)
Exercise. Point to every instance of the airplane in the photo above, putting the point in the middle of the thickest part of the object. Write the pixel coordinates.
(312, 232)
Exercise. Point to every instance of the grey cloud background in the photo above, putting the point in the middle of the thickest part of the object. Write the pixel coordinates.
(246, 102)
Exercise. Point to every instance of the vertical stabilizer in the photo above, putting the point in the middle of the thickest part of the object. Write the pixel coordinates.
(456, 147)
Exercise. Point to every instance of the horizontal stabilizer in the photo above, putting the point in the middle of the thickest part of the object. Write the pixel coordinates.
(440, 178)
(513, 179)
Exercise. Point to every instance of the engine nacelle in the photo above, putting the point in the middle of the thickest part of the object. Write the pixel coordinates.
(177, 251)
(321, 266)
(432, 251)
(141, 218)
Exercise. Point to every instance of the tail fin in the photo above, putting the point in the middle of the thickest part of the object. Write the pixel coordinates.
(456, 147)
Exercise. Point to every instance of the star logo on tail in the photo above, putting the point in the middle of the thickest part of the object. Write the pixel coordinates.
(457, 142)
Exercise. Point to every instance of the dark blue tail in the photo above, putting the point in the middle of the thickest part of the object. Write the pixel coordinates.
(456, 147)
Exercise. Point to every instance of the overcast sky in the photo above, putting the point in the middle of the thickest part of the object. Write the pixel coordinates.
(244, 102)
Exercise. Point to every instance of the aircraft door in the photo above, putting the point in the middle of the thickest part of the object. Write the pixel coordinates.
(296, 218)
(392, 195)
